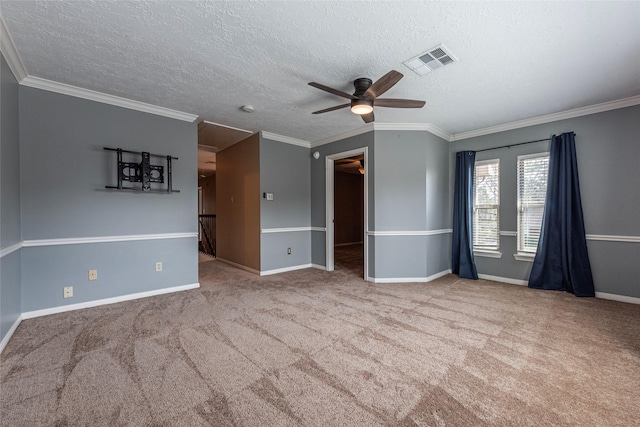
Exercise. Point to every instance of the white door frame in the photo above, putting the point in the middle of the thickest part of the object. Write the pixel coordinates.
(330, 212)
(200, 208)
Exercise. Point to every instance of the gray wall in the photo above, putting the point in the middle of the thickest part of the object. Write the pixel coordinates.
(63, 173)
(408, 192)
(284, 171)
(318, 187)
(608, 152)
(411, 192)
(10, 265)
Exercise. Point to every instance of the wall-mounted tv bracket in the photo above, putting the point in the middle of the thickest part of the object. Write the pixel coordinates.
(143, 172)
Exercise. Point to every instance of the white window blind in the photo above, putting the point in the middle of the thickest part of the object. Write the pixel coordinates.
(486, 205)
(532, 189)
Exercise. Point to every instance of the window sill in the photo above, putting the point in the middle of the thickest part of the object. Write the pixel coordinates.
(488, 254)
(524, 257)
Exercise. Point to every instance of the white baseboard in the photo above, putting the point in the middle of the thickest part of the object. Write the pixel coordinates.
(603, 295)
(106, 301)
(319, 267)
(10, 332)
(438, 275)
(616, 297)
(285, 269)
(409, 279)
(240, 266)
(504, 279)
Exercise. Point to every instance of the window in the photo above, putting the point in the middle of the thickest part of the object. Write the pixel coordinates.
(532, 190)
(486, 205)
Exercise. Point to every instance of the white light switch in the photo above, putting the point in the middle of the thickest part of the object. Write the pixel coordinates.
(269, 196)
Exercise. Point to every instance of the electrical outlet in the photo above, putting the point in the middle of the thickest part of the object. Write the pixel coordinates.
(67, 292)
(158, 266)
(93, 274)
(288, 251)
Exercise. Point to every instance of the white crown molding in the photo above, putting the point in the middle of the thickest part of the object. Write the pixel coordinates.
(285, 139)
(106, 301)
(10, 249)
(428, 127)
(410, 232)
(547, 118)
(106, 239)
(11, 54)
(78, 92)
(354, 132)
(228, 127)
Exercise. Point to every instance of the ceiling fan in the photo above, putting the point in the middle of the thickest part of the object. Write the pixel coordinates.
(366, 96)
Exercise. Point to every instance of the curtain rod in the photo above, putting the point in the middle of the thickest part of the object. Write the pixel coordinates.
(513, 145)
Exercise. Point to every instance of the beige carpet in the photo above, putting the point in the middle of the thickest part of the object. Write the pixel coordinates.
(327, 349)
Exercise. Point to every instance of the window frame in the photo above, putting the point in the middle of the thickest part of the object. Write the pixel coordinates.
(489, 251)
(527, 252)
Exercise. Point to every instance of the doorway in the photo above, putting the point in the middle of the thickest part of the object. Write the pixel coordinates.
(212, 138)
(334, 162)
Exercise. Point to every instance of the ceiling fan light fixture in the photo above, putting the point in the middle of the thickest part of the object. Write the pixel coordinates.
(361, 106)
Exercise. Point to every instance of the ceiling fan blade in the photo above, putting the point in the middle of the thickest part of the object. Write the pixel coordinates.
(332, 90)
(368, 118)
(398, 103)
(383, 84)
(326, 110)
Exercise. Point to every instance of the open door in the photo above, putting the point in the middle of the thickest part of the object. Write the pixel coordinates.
(330, 208)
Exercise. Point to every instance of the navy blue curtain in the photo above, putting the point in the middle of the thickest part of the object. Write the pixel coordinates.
(462, 262)
(561, 261)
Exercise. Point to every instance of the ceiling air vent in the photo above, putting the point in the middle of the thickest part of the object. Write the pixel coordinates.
(430, 60)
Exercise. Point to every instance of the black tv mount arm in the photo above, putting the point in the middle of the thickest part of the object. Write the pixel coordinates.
(143, 172)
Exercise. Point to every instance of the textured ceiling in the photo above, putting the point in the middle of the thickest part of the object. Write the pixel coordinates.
(516, 59)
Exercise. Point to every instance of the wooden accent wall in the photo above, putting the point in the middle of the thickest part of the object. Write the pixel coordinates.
(238, 203)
